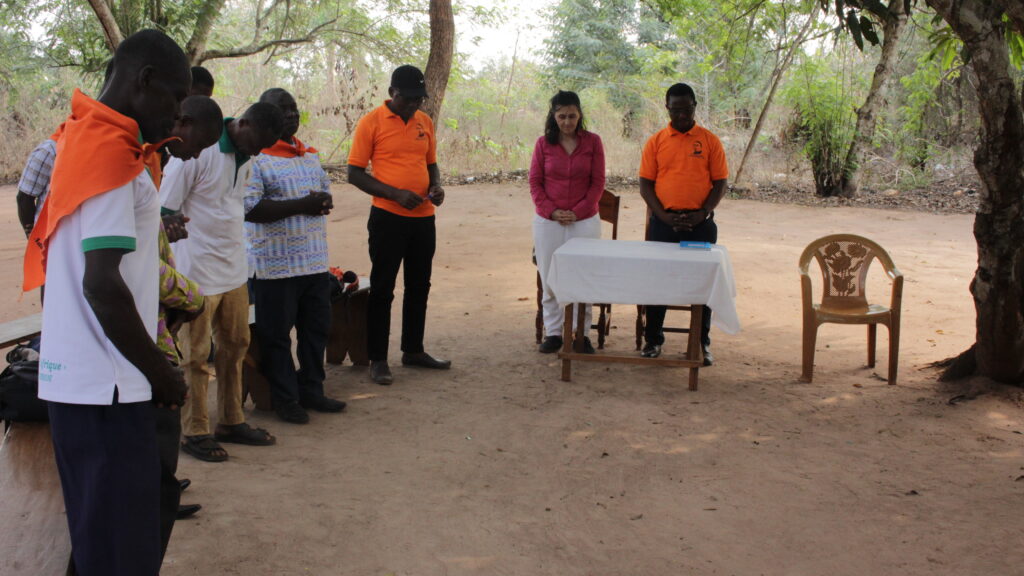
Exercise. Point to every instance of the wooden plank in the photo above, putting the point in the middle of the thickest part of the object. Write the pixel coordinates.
(693, 360)
(629, 358)
(20, 330)
(34, 540)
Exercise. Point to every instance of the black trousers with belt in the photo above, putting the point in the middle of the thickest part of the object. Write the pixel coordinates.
(303, 303)
(398, 241)
(658, 231)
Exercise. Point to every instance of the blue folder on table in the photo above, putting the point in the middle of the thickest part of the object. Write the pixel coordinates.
(689, 245)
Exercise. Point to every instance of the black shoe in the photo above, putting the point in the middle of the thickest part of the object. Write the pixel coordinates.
(588, 348)
(551, 344)
(424, 360)
(184, 484)
(380, 372)
(323, 404)
(292, 412)
(708, 358)
(186, 510)
(651, 350)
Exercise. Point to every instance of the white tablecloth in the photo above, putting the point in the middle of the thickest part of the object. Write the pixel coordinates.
(631, 272)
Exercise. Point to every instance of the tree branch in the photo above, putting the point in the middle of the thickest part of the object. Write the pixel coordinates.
(111, 31)
(256, 48)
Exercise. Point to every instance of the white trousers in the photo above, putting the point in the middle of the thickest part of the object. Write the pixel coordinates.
(548, 235)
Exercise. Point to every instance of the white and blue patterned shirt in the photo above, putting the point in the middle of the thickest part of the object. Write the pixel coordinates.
(292, 246)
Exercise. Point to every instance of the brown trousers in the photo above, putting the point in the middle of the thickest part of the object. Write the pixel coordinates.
(226, 318)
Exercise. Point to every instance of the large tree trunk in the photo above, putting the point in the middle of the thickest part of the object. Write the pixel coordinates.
(442, 48)
(866, 114)
(998, 285)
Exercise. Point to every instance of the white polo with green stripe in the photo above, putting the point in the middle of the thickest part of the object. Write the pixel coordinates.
(209, 191)
(78, 364)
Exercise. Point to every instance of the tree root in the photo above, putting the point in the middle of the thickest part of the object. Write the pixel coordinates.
(958, 367)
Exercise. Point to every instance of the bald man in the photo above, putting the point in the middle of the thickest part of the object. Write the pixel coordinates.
(100, 368)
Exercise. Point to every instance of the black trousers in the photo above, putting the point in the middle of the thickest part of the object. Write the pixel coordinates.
(168, 437)
(658, 231)
(303, 303)
(396, 241)
(110, 474)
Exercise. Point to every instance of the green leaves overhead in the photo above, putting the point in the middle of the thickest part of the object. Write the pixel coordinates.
(218, 28)
(606, 44)
(861, 18)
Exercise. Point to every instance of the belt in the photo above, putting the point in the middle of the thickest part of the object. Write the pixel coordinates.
(711, 214)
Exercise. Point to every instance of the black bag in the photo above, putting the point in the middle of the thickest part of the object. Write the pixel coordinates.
(19, 391)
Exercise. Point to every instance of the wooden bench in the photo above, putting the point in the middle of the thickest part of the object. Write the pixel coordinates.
(348, 327)
(20, 330)
(34, 539)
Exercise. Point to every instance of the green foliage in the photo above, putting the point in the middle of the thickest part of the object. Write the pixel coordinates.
(607, 45)
(1015, 41)
(861, 19)
(825, 120)
(732, 47)
(74, 37)
(921, 114)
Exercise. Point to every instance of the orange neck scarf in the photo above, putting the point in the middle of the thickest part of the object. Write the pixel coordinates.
(98, 150)
(283, 149)
(56, 133)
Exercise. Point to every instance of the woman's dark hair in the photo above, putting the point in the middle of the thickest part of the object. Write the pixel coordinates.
(563, 98)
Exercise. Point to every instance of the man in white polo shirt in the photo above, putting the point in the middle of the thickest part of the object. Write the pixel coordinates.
(209, 191)
(99, 366)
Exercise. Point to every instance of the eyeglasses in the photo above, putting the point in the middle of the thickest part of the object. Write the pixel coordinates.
(413, 98)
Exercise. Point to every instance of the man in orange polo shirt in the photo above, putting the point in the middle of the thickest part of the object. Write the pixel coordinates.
(683, 174)
(396, 140)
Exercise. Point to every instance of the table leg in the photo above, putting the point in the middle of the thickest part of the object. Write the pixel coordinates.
(694, 350)
(581, 315)
(567, 344)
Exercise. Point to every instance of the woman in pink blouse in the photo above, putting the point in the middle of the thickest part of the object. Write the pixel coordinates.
(566, 182)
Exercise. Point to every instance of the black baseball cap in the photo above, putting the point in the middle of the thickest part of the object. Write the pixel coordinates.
(409, 82)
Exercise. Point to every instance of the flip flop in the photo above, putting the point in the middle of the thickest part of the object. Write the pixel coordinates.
(203, 448)
(244, 434)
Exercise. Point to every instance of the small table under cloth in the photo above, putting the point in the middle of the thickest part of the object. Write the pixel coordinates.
(592, 271)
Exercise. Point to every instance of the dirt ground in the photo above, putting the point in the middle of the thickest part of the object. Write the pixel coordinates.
(499, 468)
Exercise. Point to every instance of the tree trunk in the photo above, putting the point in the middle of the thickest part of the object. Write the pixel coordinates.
(111, 31)
(998, 285)
(777, 74)
(866, 114)
(442, 48)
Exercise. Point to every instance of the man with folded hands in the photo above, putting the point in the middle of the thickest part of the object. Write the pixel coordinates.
(683, 174)
(286, 206)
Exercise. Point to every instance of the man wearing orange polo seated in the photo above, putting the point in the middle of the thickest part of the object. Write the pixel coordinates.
(683, 173)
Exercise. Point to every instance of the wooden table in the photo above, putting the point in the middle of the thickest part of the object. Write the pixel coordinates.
(648, 273)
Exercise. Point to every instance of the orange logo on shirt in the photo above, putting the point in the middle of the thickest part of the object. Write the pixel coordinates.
(698, 148)
(421, 133)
